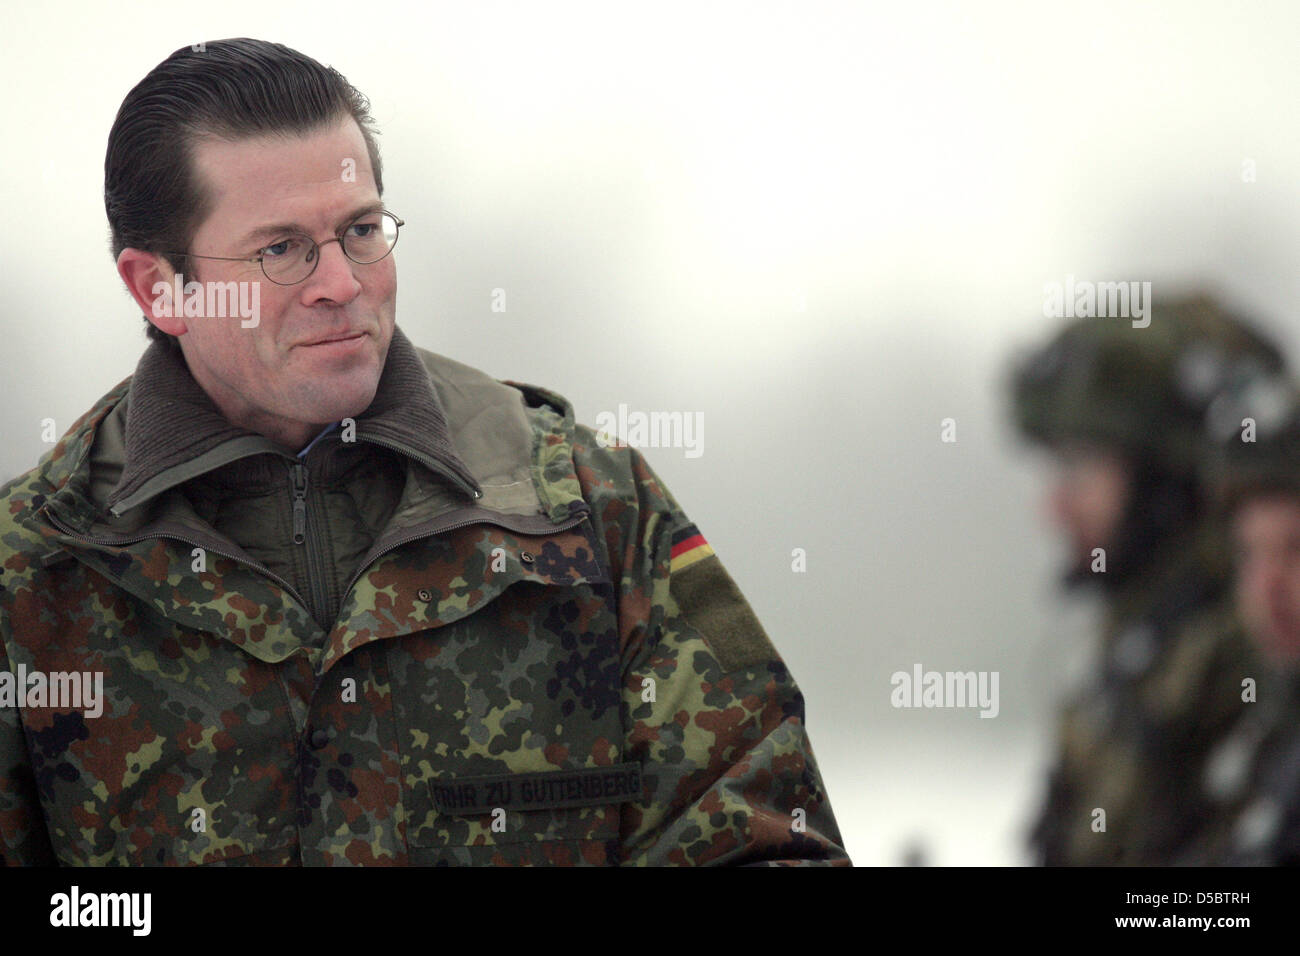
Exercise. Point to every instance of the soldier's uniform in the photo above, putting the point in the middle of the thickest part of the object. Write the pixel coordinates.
(1252, 776)
(1133, 741)
(464, 632)
(1251, 782)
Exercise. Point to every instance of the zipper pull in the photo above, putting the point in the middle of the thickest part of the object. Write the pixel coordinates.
(299, 475)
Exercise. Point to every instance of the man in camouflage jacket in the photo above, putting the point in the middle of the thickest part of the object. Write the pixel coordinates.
(454, 628)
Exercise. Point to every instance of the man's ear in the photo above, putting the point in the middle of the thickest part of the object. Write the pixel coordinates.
(149, 279)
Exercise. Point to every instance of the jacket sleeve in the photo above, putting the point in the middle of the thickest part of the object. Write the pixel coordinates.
(710, 710)
(24, 840)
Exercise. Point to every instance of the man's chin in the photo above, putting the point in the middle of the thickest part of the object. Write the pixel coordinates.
(346, 397)
(337, 386)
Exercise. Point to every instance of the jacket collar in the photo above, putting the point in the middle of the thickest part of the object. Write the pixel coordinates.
(518, 441)
(175, 432)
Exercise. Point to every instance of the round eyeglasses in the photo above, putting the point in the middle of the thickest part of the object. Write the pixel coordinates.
(292, 259)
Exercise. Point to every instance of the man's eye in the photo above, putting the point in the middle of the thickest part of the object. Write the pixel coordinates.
(281, 248)
(366, 229)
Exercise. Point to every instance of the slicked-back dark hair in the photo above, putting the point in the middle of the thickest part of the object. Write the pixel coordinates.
(229, 89)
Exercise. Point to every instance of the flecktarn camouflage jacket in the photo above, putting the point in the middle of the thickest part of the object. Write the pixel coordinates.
(538, 658)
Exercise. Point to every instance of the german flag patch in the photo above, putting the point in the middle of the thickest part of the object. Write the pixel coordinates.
(713, 606)
(689, 546)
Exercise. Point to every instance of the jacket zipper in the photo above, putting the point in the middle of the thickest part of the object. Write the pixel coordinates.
(302, 535)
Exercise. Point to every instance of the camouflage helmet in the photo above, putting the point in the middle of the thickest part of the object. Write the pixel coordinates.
(1255, 430)
(1142, 390)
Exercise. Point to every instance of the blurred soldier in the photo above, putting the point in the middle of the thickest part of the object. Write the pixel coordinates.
(1253, 774)
(1123, 410)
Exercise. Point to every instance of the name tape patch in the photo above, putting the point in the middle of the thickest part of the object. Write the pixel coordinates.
(548, 789)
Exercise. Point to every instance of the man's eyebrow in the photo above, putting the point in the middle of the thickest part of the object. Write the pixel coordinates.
(280, 229)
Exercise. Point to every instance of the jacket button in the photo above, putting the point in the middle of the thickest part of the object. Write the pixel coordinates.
(526, 557)
(424, 594)
(319, 738)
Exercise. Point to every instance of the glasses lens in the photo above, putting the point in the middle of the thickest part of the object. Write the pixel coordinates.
(371, 237)
(290, 260)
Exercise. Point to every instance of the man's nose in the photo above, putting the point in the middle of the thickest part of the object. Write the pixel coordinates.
(333, 278)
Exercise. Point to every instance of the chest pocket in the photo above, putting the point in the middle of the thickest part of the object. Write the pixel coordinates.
(186, 759)
(510, 733)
